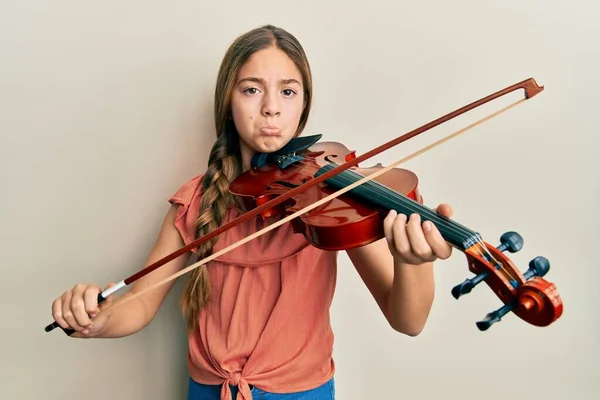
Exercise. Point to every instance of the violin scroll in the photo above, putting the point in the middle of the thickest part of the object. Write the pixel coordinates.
(528, 295)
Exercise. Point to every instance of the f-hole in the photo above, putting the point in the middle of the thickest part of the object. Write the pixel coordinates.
(330, 158)
(287, 184)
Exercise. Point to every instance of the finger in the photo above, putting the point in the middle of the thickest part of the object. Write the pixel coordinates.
(78, 306)
(90, 299)
(400, 239)
(418, 242)
(445, 210)
(67, 313)
(439, 246)
(387, 226)
(57, 313)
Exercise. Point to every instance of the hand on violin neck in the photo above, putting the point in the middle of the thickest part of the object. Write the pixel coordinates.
(412, 241)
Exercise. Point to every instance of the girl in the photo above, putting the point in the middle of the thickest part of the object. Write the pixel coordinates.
(258, 316)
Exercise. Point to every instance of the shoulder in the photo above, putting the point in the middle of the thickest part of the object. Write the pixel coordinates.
(189, 190)
(187, 200)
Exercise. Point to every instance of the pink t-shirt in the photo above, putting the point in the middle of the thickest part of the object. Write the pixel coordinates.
(268, 321)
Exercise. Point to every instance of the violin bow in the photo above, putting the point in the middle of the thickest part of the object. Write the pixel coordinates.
(529, 86)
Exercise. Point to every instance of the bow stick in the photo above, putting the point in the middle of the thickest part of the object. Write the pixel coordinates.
(530, 87)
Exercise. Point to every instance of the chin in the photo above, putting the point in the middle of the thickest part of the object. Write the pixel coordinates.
(269, 144)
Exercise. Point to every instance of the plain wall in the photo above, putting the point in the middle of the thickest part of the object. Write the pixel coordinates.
(106, 110)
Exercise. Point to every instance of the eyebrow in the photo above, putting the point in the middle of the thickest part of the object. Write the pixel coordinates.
(262, 81)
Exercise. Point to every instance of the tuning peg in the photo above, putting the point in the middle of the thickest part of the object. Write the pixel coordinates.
(510, 241)
(468, 285)
(539, 266)
(494, 316)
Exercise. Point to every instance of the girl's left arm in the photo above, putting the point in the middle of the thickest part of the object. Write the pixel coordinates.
(398, 269)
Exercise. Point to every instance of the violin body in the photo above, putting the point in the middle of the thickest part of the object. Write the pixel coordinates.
(356, 219)
(340, 224)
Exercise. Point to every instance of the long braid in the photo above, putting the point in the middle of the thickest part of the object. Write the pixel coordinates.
(223, 167)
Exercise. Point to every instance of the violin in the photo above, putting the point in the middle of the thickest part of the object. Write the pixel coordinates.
(337, 205)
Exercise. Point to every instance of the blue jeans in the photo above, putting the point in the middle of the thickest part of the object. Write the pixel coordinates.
(198, 391)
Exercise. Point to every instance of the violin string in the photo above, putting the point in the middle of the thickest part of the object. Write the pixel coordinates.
(409, 204)
(411, 207)
(273, 225)
(479, 245)
(445, 225)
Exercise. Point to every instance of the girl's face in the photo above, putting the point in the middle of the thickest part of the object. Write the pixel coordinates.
(267, 102)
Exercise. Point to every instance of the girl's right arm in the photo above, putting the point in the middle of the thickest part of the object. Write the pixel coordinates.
(71, 310)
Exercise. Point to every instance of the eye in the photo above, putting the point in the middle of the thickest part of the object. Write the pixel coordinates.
(288, 92)
(251, 90)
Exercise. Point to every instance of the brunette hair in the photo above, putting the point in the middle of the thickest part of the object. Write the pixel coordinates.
(224, 161)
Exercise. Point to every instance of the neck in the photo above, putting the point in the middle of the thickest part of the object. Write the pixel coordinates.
(383, 197)
(246, 155)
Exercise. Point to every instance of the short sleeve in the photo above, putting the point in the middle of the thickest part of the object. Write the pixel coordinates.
(188, 198)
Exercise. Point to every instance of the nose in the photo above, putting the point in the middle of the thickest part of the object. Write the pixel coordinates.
(271, 106)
